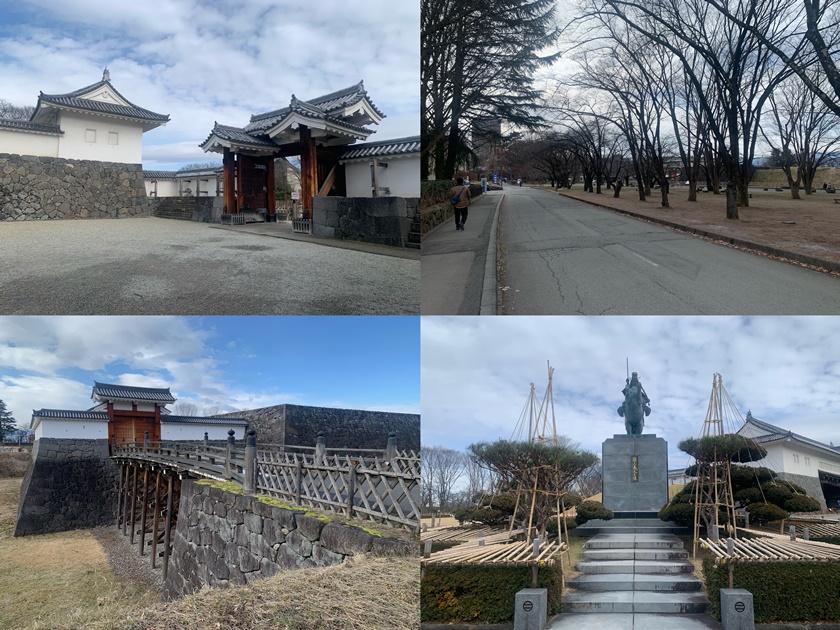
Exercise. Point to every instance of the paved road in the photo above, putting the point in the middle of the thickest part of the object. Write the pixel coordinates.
(453, 262)
(564, 257)
(165, 267)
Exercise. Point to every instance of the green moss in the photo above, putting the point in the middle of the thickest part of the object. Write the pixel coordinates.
(369, 530)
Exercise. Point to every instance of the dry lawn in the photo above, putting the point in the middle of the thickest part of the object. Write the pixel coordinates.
(64, 581)
(13, 463)
(809, 226)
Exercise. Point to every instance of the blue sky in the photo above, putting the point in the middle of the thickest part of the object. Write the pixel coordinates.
(476, 374)
(215, 363)
(202, 61)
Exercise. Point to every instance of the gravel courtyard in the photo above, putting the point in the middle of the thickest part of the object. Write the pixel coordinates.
(156, 266)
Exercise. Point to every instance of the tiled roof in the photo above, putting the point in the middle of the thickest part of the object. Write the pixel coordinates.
(383, 148)
(156, 394)
(70, 414)
(237, 135)
(199, 420)
(25, 125)
(319, 107)
(76, 102)
(159, 174)
(774, 434)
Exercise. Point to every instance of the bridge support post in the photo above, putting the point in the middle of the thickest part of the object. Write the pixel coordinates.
(145, 443)
(250, 461)
(120, 492)
(391, 449)
(320, 449)
(145, 507)
(168, 527)
(134, 503)
(231, 444)
(156, 518)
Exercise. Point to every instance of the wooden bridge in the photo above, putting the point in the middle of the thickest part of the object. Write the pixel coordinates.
(377, 485)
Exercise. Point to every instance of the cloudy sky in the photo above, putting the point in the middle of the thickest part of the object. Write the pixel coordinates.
(233, 363)
(476, 374)
(202, 61)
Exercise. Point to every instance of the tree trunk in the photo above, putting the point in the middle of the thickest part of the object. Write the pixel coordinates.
(664, 189)
(731, 199)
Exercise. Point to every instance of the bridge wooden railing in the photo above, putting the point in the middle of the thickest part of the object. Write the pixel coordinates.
(376, 485)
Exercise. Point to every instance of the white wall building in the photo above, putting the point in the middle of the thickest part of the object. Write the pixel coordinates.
(811, 464)
(95, 122)
(387, 168)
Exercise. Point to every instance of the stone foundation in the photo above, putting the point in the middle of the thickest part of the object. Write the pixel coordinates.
(383, 220)
(224, 539)
(812, 486)
(70, 484)
(635, 473)
(36, 188)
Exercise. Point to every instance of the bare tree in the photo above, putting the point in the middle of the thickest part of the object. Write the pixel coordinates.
(589, 482)
(185, 409)
(15, 112)
(441, 468)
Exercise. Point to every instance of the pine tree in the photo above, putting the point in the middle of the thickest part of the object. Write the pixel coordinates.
(7, 421)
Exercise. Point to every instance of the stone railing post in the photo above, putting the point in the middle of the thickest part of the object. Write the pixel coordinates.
(320, 449)
(206, 440)
(250, 462)
(391, 449)
(231, 444)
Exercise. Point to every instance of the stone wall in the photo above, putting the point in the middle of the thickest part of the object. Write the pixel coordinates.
(39, 188)
(811, 485)
(70, 484)
(226, 539)
(299, 425)
(383, 220)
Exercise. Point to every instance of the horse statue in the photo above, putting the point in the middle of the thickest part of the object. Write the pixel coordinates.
(635, 407)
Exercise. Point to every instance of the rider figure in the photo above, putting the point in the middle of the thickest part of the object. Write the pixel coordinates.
(633, 381)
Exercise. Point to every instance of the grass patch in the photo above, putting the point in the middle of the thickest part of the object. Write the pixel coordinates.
(368, 593)
(54, 580)
(13, 463)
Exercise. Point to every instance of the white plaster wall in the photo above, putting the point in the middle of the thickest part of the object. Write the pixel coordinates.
(74, 146)
(780, 458)
(145, 406)
(165, 187)
(77, 429)
(122, 404)
(402, 177)
(21, 143)
(176, 432)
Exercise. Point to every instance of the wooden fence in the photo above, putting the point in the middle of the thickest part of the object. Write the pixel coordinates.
(377, 485)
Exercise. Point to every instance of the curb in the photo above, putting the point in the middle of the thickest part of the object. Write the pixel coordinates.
(489, 303)
(800, 259)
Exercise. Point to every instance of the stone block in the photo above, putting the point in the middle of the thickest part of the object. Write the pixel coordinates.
(736, 609)
(310, 527)
(272, 532)
(390, 547)
(340, 538)
(531, 609)
(253, 522)
(325, 558)
(298, 543)
(649, 491)
(247, 561)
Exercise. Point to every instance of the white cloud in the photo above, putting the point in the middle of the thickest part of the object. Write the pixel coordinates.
(202, 63)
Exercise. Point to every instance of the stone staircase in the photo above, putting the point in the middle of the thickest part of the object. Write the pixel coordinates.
(180, 208)
(635, 572)
(414, 232)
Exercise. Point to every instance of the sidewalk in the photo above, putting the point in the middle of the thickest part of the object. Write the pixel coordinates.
(283, 229)
(458, 268)
(804, 232)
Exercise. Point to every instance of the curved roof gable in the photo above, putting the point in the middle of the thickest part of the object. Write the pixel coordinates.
(106, 391)
(98, 98)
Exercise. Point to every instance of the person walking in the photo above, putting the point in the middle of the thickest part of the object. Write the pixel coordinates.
(460, 193)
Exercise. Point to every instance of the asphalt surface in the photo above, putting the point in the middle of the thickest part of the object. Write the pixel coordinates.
(453, 263)
(565, 257)
(157, 266)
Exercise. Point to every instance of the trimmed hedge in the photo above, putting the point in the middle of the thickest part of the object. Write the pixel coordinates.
(435, 191)
(481, 594)
(591, 510)
(782, 591)
(831, 540)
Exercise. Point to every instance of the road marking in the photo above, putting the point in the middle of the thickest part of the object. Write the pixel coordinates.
(645, 259)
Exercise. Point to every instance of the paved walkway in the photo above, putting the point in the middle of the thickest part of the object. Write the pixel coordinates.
(458, 267)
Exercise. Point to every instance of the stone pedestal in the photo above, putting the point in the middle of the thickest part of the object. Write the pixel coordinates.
(635, 473)
(736, 609)
(531, 609)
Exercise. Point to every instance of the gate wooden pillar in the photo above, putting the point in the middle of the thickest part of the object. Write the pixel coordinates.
(308, 170)
(270, 201)
(229, 166)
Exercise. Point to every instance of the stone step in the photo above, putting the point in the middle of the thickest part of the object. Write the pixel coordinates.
(635, 554)
(635, 541)
(635, 602)
(635, 566)
(633, 582)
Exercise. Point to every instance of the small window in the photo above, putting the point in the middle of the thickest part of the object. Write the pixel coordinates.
(113, 137)
(796, 459)
(90, 135)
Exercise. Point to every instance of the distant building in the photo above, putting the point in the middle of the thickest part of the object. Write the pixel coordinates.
(811, 464)
(95, 122)
(124, 414)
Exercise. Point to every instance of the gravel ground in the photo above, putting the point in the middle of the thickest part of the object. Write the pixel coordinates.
(163, 267)
(125, 560)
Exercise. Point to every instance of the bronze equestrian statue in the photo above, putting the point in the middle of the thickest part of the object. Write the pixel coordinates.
(635, 407)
